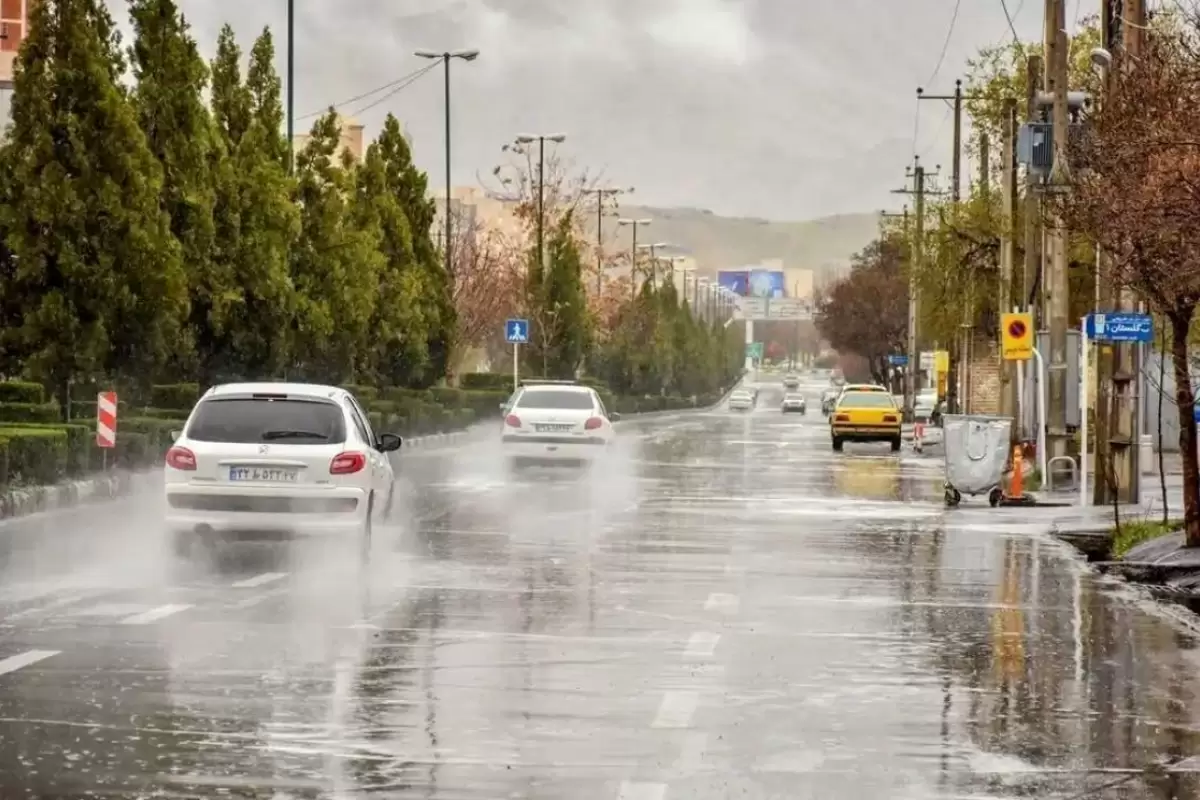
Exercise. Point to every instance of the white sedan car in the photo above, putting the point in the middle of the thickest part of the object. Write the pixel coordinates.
(277, 458)
(556, 422)
(741, 400)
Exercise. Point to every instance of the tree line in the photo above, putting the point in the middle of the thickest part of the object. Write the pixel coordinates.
(1134, 173)
(155, 226)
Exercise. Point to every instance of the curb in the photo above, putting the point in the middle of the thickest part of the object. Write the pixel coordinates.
(27, 500)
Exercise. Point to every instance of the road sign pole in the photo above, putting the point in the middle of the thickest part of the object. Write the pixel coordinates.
(516, 366)
(1083, 411)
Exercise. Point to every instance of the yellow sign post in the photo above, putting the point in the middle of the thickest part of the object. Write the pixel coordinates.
(1016, 336)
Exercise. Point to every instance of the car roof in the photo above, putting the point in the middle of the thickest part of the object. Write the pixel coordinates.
(544, 387)
(861, 392)
(864, 387)
(313, 390)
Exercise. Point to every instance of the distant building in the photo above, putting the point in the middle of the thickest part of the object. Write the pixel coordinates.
(14, 27)
(474, 206)
(352, 136)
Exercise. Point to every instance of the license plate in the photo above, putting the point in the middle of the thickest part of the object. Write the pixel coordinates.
(263, 475)
(550, 428)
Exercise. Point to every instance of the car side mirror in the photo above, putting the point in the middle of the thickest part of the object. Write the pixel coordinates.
(175, 435)
(389, 442)
(503, 406)
(614, 416)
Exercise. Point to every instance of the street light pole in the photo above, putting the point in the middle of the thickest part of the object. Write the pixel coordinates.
(633, 252)
(600, 195)
(444, 57)
(541, 139)
(291, 85)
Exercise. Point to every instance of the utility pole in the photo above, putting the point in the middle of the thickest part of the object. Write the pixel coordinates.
(291, 86)
(1032, 262)
(600, 195)
(633, 251)
(1055, 283)
(967, 346)
(954, 402)
(1008, 215)
(910, 367)
(918, 191)
(1122, 24)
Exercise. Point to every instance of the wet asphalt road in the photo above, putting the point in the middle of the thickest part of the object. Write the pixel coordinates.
(729, 610)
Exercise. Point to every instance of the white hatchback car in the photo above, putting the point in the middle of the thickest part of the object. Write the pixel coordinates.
(556, 421)
(278, 458)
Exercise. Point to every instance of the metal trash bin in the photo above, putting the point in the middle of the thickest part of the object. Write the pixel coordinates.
(976, 450)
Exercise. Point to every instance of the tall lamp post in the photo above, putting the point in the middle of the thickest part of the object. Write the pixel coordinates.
(445, 56)
(602, 193)
(541, 139)
(634, 224)
(653, 250)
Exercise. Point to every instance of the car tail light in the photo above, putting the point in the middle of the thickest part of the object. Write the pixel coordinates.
(181, 458)
(347, 463)
(889, 418)
(512, 421)
(842, 418)
(593, 423)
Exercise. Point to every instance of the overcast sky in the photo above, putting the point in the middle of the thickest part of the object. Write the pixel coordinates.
(785, 109)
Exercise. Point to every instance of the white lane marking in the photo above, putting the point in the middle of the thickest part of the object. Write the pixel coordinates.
(259, 580)
(154, 614)
(14, 663)
(55, 605)
(701, 644)
(634, 790)
(676, 709)
(722, 601)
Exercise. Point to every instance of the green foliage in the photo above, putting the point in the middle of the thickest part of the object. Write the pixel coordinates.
(33, 455)
(21, 392)
(558, 305)
(1132, 533)
(175, 396)
(30, 412)
(98, 276)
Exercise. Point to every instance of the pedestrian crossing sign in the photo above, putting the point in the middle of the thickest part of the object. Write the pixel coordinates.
(517, 331)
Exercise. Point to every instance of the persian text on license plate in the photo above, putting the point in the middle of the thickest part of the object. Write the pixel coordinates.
(544, 428)
(263, 475)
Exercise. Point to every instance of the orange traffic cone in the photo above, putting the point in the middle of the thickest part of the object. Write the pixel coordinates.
(1016, 486)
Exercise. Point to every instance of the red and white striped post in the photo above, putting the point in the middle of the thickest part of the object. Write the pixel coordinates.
(106, 422)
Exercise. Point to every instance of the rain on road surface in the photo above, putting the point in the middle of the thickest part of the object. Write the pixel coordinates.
(729, 610)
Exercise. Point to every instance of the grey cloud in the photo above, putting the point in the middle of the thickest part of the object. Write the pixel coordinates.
(769, 108)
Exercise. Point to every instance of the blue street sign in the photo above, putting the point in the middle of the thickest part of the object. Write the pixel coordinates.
(898, 360)
(1119, 326)
(1196, 413)
(516, 331)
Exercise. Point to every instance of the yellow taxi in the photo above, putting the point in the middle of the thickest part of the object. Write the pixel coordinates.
(865, 415)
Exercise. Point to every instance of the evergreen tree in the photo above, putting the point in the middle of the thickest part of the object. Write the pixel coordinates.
(100, 273)
(255, 219)
(336, 263)
(561, 289)
(170, 78)
(399, 327)
(411, 189)
(264, 86)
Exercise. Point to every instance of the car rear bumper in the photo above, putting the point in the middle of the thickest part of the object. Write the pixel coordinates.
(866, 433)
(226, 510)
(554, 448)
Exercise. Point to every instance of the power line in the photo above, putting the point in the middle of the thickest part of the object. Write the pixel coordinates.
(1009, 17)
(406, 80)
(401, 87)
(946, 43)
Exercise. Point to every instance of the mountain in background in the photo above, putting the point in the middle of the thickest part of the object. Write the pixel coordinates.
(823, 245)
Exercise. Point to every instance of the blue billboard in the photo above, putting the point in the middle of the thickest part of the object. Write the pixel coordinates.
(736, 281)
(753, 282)
(767, 283)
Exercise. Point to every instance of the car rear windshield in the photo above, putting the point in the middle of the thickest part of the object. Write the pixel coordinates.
(279, 420)
(866, 400)
(556, 398)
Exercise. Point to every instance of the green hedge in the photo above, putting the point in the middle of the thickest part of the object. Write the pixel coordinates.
(22, 392)
(30, 412)
(178, 396)
(34, 455)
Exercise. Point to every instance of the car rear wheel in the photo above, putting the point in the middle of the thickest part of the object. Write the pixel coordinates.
(837, 444)
(896, 445)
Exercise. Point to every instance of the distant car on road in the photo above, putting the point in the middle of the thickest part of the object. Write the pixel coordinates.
(556, 422)
(794, 401)
(865, 416)
(791, 381)
(741, 400)
(276, 457)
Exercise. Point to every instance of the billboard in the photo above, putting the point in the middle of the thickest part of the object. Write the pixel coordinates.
(736, 281)
(768, 283)
(754, 282)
